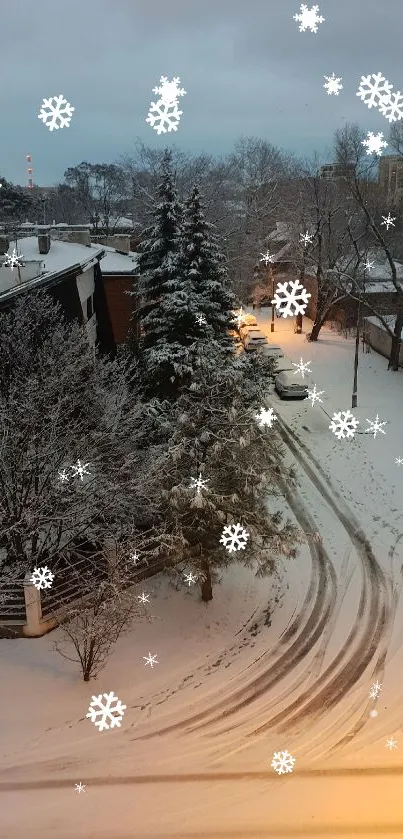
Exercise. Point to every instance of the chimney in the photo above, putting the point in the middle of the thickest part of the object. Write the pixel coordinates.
(4, 244)
(44, 243)
(80, 237)
(121, 243)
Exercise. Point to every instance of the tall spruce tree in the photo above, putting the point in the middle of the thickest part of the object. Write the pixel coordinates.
(158, 277)
(203, 265)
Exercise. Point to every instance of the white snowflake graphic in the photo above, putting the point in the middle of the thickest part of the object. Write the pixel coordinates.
(368, 265)
(375, 426)
(374, 143)
(150, 659)
(42, 578)
(333, 85)
(343, 424)
(108, 713)
(53, 117)
(391, 743)
(12, 260)
(266, 258)
(198, 483)
(80, 787)
(399, 461)
(80, 469)
(388, 221)
(283, 762)
(306, 238)
(169, 92)
(391, 106)
(64, 476)
(308, 18)
(266, 417)
(234, 537)
(164, 117)
(190, 578)
(287, 300)
(135, 558)
(375, 92)
(143, 598)
(238, 317)
(302, 367)
(375, 690)
(201, 320)
(315, 395)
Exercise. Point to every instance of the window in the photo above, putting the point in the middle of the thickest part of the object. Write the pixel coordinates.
(90, 307)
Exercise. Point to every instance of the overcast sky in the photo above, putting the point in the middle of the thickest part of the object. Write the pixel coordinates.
(245, 65)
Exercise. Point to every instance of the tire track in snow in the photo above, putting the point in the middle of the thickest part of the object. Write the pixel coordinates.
(370, 627)
(369, 636)
(300, 637)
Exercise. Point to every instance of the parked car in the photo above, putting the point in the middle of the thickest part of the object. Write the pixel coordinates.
(248, 320)
(282, 364)
(246, 328)
(289, 386)
(254, 339)
(272, 351)
(244, 319)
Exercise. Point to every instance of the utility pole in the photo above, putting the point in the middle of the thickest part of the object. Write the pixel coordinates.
(272, 297)
(354, 397)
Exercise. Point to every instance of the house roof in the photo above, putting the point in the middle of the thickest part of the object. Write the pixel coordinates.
(118, 263)
(284, 252)
(281, 233)
(62, 258)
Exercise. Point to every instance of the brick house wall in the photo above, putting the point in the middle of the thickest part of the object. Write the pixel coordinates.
(121, 306)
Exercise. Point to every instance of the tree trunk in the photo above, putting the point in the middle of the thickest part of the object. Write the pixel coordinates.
(315, 330)
(298, 324)
(206, 586)
(396, 343)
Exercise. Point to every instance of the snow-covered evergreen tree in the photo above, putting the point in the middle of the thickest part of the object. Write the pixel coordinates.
(203, 265)
(215, 434)
(158, 278)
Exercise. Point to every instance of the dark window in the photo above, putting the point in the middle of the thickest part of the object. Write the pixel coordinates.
(90, 307)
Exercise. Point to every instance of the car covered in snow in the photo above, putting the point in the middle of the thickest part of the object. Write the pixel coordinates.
(290, 386)
(254, 339)
(272, 351)
(244, 319)
(283, 364)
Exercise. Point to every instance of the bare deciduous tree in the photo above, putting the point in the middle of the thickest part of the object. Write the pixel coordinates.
(101, 615)
(349, 149)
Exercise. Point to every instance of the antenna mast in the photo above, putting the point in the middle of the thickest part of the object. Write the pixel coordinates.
(30, 171)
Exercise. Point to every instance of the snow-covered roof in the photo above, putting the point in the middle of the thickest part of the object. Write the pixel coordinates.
(380, 269)
(282, 253)
(62, 257)
(281, 233)
(118, 263)
(389, 319)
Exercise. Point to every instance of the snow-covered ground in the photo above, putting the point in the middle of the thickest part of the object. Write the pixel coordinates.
(232, 686)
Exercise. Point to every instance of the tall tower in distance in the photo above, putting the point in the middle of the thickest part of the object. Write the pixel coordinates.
(30, 171)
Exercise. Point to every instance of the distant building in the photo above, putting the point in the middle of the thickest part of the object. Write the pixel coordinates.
(391, 177)
(332, 171)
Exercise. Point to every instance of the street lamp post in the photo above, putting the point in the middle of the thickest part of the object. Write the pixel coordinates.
(272, 298)
(354, 397)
